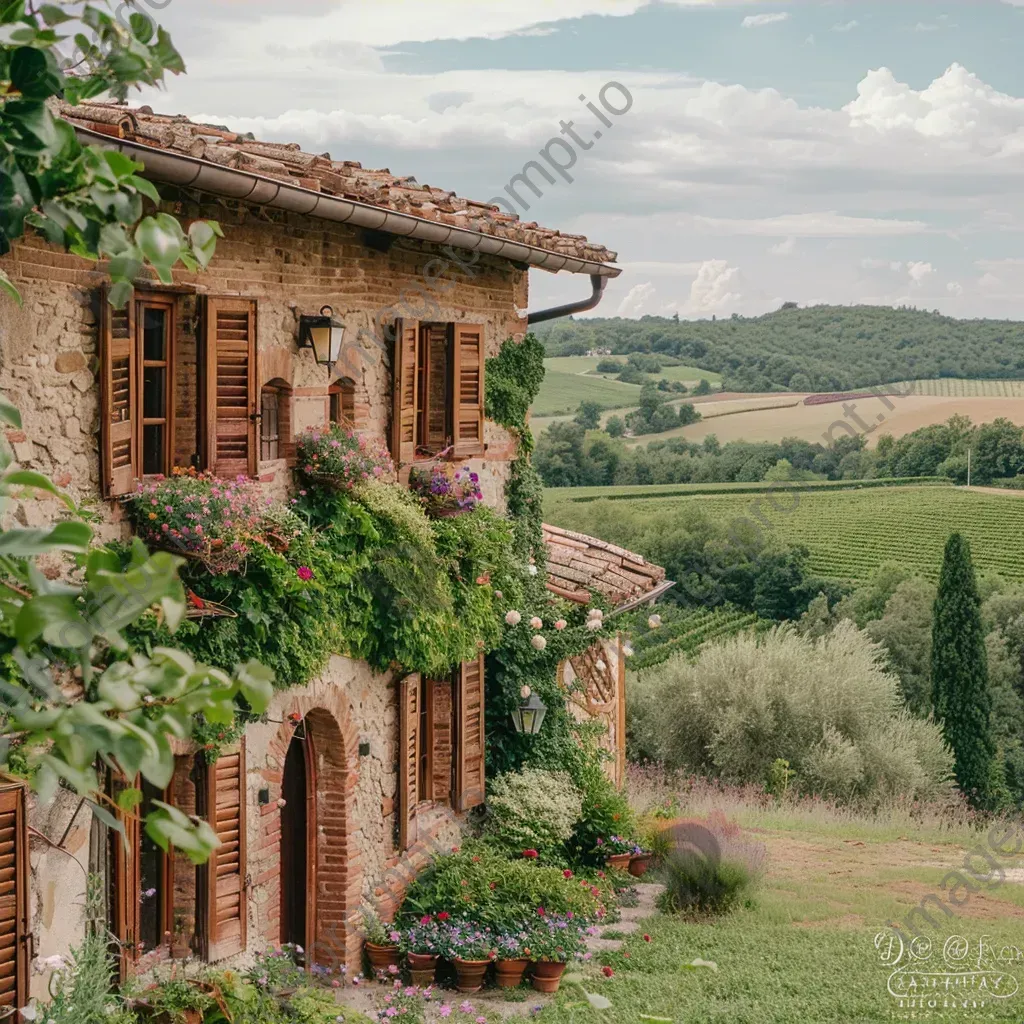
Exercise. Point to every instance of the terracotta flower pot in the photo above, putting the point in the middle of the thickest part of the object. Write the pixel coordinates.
(547, 975)
(469, 974)
(423, 968)
(509, 973)
(381, 957)
(619, 861)
(638, 864)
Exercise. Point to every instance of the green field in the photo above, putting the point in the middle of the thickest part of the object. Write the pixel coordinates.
(849, 532)
(956, 387)
(563, 392)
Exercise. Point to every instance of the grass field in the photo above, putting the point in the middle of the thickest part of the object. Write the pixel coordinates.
(563, 392)
(588, 365)
(957, 387)
(849, 532)
(683, 631)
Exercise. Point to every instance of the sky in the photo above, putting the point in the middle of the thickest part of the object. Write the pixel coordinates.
(735, 155)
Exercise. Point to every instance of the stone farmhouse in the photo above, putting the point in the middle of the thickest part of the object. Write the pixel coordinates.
(326, 804)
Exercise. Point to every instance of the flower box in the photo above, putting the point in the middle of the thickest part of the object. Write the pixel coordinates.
(444, 491)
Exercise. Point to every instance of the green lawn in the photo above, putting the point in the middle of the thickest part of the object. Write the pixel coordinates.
(805, 952)
(562, 393)
(849, 532)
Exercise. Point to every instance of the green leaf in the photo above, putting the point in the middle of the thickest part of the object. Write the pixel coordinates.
(29, 478)
(146, 187)
(71, 536)
(118, 690)
(9, 413)
(256, 682)
(119, 294)
(142, 26)
(694, 964)
(598, 1002)
(7, 287)
(56, 618)
(123, 167)
(33, 73)
(34, 117)
(53, 15)
(129, 799)
(11, 11)
(159, 244)
(167, 827)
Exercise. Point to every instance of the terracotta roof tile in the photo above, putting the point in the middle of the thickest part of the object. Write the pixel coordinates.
(579, 566)
(347, 179)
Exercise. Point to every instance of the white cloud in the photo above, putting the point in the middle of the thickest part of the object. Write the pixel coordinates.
(759, 20)
(637, 300)
(785, 248)
(846, 26)
(919, 271)
(710, 291)
(955, 288)
(875, 264)
(926, 26)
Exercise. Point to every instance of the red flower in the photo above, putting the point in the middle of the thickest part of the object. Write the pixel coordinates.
(567, 873)
(607, 972)
(304, 572)
(541, 911)
(492, 885)
(647, 937)
(476, 860)
(425, 919)
(531, 854)
(443, 915)
(600, 874)
(455, 849)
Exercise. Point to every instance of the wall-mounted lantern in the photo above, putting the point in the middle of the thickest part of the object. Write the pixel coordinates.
(529, 715)
(324, 335)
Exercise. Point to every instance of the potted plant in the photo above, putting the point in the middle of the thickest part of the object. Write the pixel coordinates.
(340, 459)
(639, 861)
(422, 943)
(380, 943)
(550, 945)
(444, 491)
(511, 962)
(617, 851)
(471, 950)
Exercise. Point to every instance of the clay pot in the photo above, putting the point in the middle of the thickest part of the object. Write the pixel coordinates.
(620, 861)
(423, 968)
(381, 957)
(638, 864)
(469, 974)
(509, 973)
(547, 975)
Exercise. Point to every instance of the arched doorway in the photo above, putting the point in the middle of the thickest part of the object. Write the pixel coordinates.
(298, 841)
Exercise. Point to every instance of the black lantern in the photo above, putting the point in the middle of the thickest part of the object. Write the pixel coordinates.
(324, 335)
(529, 716)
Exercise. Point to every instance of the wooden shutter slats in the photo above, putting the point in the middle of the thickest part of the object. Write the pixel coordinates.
(408, 758)
(231, 386)
(14, 920)
(118, 401)
(470, 779)
(226, 893)
(439, 693)
(469, 389)
(404, 405)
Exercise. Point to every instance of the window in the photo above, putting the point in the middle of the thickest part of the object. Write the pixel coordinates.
(154, 895)
(438, 394)
(441, 740)
(275, 421)
(171, 395)
(342, 397)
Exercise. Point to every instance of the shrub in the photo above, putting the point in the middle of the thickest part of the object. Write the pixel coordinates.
(341, 458)
(606, 812)
(826, 706)
(533, 809)
(480, 885)
(710, 868)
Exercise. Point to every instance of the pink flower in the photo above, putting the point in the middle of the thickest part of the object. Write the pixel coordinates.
(466, 1006)
(304, 573)
(444, 1011)
(536, 622)
(560, 624)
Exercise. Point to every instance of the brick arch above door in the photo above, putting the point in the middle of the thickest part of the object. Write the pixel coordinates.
(325, 718)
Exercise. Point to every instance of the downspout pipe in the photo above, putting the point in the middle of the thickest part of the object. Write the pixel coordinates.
(597, 283)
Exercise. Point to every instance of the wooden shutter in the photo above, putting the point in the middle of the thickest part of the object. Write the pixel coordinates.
(403, 412)
(434, 405)
(14, 882)
(468, 412)
(118, 400)
(469, 753)
(226, 905)
(439, 695)
(127, 880)
(231, 391)
(408, 758)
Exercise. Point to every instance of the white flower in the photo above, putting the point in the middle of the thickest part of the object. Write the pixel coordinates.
(31, 1011)
(538, 643)
(595, 613)
(654, 621)
(601, 666)
(593, 624)
(627, 650)
(532, 570)
(536, 622)
(498, 595)
(512, 617)
(560, 624)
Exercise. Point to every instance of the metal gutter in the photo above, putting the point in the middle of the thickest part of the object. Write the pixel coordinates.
(649, 598)
(231, 183)
(597, 284)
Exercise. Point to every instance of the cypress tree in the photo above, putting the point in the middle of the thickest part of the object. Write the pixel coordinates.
(960, 692)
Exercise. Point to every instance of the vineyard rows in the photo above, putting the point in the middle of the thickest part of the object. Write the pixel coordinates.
(850, 533)
(684, 631)
(956, 387)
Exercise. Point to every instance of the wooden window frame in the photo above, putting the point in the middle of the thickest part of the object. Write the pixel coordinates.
(14, 900)
(167, 303)
(340, 412)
